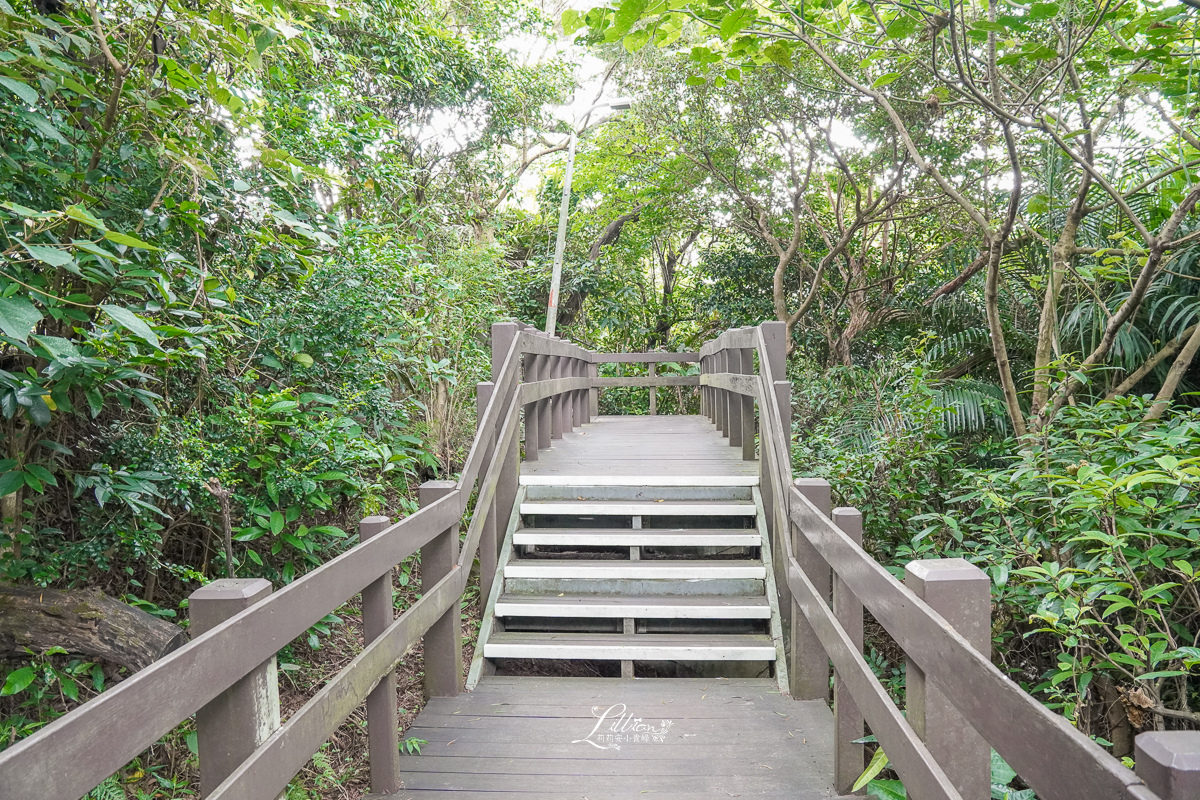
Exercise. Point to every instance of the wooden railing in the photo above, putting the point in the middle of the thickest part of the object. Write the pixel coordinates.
(958, 702)
(959, 705)
(226, 674)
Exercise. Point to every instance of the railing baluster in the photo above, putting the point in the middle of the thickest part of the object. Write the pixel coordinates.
(488, 539)
(383, 733)
(503, 334)
(443, 640)
(962, 593)
(810, 664)
(650, 370)
(747, 406)
(733, 361)
(848, 725)
(593, 371)
(546, 369)
(245, 715)
(532, 416)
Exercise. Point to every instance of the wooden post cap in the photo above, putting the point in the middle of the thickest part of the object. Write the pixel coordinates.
(1169, 763)
(212, 604)
(933, 570)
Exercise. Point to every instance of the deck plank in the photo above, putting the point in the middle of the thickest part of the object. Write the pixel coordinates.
(527, 737)
(641, 447)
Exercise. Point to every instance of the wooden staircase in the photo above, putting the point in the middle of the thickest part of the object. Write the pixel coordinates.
(664, 581)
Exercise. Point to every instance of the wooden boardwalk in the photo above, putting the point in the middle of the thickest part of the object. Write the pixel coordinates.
(576, 738)
(566, 738)
(686, 450)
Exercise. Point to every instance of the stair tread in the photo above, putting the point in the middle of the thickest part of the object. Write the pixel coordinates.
(645, 564)
(640, 507)
(617, 568)
(631, 536)
(672, 639)
(634, 606)
(637, 600)
(636, 646)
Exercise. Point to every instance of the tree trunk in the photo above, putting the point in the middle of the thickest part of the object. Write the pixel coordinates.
(1182, 362)
(88, 623)
(999, 348)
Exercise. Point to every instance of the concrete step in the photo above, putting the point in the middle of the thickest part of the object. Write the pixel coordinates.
(629, 537)
(628, 508)
(631, 647)
(635, 570)
(634, 607)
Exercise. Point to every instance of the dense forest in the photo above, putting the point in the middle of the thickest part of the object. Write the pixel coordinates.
(252, 252)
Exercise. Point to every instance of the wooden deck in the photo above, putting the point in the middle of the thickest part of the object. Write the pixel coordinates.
(662, 450)
(575, 738)
(564, 738)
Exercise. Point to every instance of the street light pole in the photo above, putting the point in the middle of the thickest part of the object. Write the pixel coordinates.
(560, 244)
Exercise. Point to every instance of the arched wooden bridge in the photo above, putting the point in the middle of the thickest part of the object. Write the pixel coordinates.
(717, 602)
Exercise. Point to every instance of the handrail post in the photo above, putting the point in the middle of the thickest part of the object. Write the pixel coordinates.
(231, 727)
(487, 539)
(809, 667)
(546, 371)
(503, 334)
(565, 368)
(962, 594)
(593, 371)
(747, 410)
(443, 640)
(532, 372)
(848, 723)
(1169, 763)
(383, 733)
(555, 402)
(733, 358)
(703, 389)
(722, 359)
(581, 396)
(650, 370)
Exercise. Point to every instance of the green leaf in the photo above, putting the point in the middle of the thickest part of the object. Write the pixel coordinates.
(1002, 773)
(44, 127)
(94, 249)
(21, 90)
(41, 473)
(878, 762)
(131, 322)
(887, 790)
(884, 80)
(277, 522)
(303, 359)
(58, 347)
(48, 255)
(81, 214)
(18, 317)
(1168, 673)
(10, 482)
(629, 12)
(18, 680)
(129, 241)
(572, 21)
(733, 23)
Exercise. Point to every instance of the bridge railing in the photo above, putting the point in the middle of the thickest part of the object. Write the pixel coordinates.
(226, 674)
(960, 705)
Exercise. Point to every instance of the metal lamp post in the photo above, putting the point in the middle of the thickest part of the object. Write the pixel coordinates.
(561, 243)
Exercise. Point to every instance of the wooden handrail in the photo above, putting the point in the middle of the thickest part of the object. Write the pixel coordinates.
(107, 732)
(1052, 756)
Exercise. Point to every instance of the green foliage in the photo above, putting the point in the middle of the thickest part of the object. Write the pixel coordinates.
(1090, 535)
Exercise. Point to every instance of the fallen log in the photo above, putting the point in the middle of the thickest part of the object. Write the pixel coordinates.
(87, 623)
